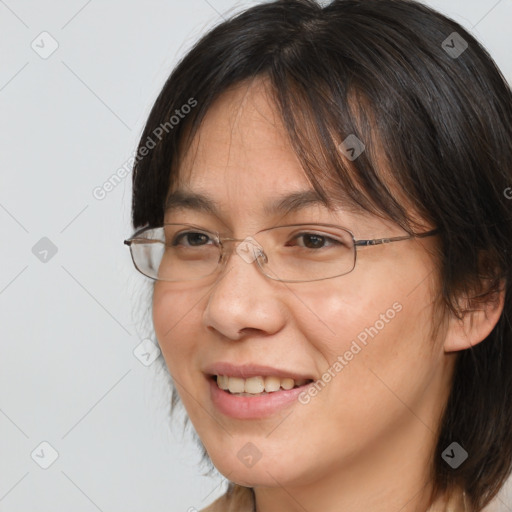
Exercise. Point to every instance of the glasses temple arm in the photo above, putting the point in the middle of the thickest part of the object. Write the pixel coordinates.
(378, 241)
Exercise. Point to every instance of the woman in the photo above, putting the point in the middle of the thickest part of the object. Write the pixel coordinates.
(320, 194)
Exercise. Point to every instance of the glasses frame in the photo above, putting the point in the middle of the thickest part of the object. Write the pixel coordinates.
(220, 239)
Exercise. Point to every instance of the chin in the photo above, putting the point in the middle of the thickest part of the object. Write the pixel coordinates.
(261, 472)
(254, 477)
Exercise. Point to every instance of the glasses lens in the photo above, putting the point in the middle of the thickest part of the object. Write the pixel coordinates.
(175, 252)
(307, 252)
(299, 253)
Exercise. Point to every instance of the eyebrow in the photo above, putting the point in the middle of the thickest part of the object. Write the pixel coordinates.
(284, 205)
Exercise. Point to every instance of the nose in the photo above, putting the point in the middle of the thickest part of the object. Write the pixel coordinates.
(244, 300)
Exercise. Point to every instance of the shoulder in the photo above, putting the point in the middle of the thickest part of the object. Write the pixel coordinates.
(236, 499)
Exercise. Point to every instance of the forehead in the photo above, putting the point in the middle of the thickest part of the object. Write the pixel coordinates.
(241, 158)
(242, 139)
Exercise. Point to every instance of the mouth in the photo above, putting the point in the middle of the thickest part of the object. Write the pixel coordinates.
(257, 385)
(256, 397)
(254, 391)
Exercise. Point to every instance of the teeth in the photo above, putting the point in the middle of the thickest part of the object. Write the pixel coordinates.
(236, 385)
(287, 383)
(222, 381)
(272, 384)
(256, 385)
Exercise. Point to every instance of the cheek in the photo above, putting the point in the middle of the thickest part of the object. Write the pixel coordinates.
(370, 323)
(375, 355)
(176, 315)
(331, 317)
(177, 322)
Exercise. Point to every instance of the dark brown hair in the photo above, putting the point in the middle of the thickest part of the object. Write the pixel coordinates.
(441, 121)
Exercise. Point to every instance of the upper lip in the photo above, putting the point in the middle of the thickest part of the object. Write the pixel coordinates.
(246, 371)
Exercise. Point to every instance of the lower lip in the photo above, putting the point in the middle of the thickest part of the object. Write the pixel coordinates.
(252, 407)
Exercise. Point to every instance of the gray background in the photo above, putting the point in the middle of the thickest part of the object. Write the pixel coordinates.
(71, 321)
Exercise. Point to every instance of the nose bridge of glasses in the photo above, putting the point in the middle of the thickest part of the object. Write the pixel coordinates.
(247, 248)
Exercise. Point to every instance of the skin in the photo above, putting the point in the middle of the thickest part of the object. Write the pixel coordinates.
(365, 441)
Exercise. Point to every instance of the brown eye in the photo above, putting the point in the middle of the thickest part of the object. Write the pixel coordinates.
(192, 239)
(315, 241)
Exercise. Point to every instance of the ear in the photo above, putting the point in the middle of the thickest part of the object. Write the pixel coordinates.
(478, 318)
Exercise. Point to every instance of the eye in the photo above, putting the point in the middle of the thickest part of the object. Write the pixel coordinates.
(316, 241)
(191, 239)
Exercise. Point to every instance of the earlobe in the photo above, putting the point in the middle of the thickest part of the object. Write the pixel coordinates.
(475, 323)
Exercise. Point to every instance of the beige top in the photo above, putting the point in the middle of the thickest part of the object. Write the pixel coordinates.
(241, 499)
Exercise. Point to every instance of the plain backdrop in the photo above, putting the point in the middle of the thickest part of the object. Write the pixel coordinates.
(84, 420)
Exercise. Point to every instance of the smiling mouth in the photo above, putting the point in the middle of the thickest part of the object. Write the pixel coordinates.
(257, 386)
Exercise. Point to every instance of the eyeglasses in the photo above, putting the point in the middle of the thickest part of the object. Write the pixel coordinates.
(294, 253)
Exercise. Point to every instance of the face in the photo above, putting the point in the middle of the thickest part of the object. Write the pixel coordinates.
(364, 338)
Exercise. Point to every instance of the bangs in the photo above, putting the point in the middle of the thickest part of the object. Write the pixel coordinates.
(336, 143)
